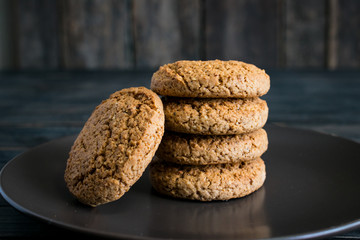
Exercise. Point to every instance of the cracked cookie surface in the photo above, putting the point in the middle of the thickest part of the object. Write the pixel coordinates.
(115, 146)
(212, 149)
(207, 182)
(210, 79)
(214, 116)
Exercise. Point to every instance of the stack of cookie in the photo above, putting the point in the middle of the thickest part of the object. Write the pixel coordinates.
(213, 130)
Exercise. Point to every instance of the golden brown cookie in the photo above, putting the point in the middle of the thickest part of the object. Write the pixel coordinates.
(212, 149)
(217, 116)
(210, 79)
(207, 182)
(115, 146)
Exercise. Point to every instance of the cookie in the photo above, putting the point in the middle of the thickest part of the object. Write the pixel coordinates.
(212, 149)
(115, 146)
(216, 116)
(210, 79)
(207, 182)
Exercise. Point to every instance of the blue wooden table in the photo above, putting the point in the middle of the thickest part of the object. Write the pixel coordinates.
(36, 107)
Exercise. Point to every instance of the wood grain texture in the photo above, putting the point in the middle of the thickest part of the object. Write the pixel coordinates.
(331, 33)
(242, 30)
(348, 34)
(96, 34)
(7, 51)
(305, 33)
(166, 31)
(37, 43)
(143, 34)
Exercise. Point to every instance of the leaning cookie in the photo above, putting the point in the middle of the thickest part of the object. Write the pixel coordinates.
(207, 182)
(212, 149)
(115, 146)
(210, 79)
(217, 116)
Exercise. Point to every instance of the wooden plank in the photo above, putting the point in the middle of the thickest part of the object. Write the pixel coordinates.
(242, 30)
(332, 31)
(37, 36)
(96, 34)
(18, 139)
(55, 99)
(348, 34)
(305, 33)
(166, 31)
(7, 53)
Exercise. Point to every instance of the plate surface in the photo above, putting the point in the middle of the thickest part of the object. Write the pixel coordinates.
(311, 190)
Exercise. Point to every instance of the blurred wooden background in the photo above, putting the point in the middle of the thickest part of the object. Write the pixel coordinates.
(135, 34)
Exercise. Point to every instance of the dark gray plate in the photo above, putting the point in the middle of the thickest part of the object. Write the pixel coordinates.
(312, 190)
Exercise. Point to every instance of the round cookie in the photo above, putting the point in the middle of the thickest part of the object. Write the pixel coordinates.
(115, 146)
(201, 150)
(207, 182)
(216, 116)
(210, 79)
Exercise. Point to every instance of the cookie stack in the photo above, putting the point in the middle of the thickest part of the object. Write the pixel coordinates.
(213, 137)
